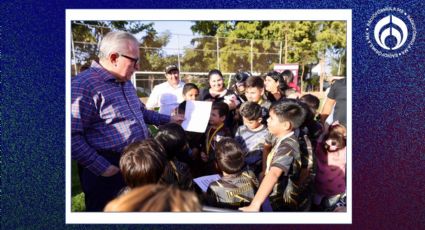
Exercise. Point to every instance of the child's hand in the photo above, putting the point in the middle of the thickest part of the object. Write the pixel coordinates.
(250, 208)
(204, 157)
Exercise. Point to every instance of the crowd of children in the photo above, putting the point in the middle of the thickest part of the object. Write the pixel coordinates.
(274, 155)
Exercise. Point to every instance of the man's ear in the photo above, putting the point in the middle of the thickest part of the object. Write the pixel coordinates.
(113, 58)
(262, 91)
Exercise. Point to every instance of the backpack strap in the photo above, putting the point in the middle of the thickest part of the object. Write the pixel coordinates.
(306, 154)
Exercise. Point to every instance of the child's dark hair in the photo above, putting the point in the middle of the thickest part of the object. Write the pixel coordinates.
(291, 111)
(312, 101)
(309, 114)
(173, 138)
(142, 162)
(189, 86)
(223, 108)
(214, 71)
(287, 76)
(229, 156)
(182, 108)
(256, 82)
(250, 110)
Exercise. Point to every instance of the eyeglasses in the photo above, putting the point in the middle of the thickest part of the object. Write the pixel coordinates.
(135, 60)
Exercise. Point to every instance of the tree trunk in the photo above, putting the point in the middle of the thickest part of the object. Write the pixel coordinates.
(322, 73)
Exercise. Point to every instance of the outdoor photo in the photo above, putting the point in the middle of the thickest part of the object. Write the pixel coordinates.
(210, 116)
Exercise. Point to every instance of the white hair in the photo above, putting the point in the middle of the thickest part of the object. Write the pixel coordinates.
(116, 42)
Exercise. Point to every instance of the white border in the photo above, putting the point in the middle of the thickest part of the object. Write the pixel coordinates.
(209, 218)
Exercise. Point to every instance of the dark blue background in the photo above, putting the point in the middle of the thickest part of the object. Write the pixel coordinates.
(388, 114)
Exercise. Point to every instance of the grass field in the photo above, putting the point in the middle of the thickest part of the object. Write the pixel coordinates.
(77, 200)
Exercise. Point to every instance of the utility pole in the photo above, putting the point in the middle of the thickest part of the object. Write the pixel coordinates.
(280, 53)
(252, 55)
(178, 52)
(286, 46)
(218, 55)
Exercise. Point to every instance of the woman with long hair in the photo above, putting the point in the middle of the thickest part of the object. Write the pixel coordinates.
(275, 86)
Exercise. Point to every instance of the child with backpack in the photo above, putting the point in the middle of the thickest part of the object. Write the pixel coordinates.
(237, 187)
(173, 138)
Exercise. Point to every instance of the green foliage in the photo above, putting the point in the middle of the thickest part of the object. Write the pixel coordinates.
(313, 82)
(88, 33)
(153, 130)
(212, 28)
(77, 203)
(154, 58)
(339, 64)
(75, 181)
(77, 200)
(307, 42)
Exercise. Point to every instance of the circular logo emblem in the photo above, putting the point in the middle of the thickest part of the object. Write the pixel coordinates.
(390, 32)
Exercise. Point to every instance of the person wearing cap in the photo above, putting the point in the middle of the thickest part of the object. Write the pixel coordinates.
(106, 116)
(167, 95)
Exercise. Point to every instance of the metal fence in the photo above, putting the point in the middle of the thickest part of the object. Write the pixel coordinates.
(195, 54)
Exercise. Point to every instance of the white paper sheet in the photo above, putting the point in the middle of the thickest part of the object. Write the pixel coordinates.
(196, 116)
(204, 181)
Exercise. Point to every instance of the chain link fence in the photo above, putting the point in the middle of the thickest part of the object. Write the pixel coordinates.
(195, 56)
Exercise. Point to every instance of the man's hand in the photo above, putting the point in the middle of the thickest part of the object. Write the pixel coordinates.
(178, 118)
(110, 171)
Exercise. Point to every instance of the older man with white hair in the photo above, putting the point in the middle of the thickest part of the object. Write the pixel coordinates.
(106, 116)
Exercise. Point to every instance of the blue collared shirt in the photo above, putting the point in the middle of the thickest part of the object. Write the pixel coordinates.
(106, 115)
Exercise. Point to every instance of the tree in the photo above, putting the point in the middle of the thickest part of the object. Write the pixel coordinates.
(331, 37)
(303, 42)
(202, 57)
(264, 38)
(87, 34)
(153, 57)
